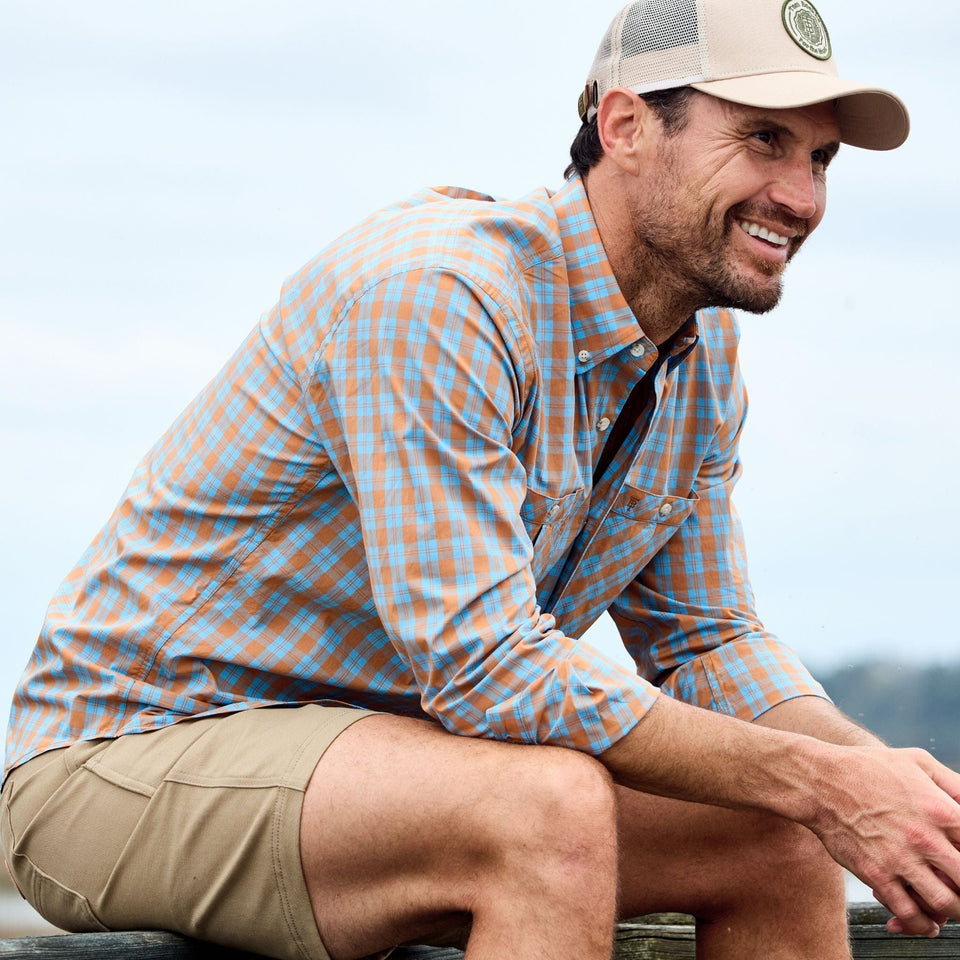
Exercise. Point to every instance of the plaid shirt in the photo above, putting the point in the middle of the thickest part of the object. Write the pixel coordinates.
(387, 498)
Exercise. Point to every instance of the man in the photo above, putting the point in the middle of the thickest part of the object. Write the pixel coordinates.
(317, 688)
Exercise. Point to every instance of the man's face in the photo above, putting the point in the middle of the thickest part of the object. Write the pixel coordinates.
(733, 196)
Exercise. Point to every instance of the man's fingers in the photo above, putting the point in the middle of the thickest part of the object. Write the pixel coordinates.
(946, 779)
(922, 907)
(946, 869)
(909, 916)
(896, 925)
(937, 900)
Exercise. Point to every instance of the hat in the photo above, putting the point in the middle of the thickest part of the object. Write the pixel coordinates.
(762, 53)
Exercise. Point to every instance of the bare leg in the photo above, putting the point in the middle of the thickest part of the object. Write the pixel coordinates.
(407, 829)
(759, 886)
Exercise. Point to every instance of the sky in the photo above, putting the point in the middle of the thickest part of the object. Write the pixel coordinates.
(166, 165)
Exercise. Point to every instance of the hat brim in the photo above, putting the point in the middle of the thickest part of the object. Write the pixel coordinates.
(868, 116)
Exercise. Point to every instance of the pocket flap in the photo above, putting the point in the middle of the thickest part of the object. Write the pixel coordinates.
(665, 509)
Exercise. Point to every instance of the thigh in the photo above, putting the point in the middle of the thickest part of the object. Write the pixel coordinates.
(192, 828)
(411, 833)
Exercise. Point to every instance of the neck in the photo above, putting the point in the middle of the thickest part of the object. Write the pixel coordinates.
(661, 301)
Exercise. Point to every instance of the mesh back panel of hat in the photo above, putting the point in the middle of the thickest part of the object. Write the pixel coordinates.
(651, 45)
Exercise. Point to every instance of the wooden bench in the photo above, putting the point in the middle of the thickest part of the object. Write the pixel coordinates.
(667, 936)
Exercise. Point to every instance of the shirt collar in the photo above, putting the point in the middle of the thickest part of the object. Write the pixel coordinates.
(602, 321)
(684, 340)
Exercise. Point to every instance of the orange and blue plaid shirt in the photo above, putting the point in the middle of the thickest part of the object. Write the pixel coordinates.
(387, 498)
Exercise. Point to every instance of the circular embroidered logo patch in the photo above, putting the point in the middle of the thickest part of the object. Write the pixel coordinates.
(806, 28)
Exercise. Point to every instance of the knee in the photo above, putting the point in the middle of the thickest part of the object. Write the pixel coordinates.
(556, 814)
(785, 859)
(573, 793)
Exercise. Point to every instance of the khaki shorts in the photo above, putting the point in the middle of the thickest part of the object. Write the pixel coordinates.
(193, 828)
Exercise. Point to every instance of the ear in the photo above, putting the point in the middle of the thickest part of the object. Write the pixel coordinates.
(627, 127)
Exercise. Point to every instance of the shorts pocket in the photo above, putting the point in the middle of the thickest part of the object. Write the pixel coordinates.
(59, 905)
(63, 907)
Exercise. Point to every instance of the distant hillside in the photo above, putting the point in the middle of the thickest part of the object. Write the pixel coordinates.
(906, 706)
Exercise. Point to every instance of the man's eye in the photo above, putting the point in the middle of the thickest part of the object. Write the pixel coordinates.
(821, 158)
(764, 136)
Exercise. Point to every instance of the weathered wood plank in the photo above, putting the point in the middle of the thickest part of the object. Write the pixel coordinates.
(135, 945)
(659, 937)
(662, 937)
(874, 943)
(868, 943)
(671, 937)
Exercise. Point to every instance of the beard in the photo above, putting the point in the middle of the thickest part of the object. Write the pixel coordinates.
(689, 244)
(720, 284)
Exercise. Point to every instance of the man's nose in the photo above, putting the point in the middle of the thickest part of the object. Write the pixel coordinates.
(795, 189)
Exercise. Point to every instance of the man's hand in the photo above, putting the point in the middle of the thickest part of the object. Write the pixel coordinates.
(821, 719)
(892, 817)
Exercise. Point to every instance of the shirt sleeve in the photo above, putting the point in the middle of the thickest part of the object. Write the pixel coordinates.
(423, 383)
(689, 619)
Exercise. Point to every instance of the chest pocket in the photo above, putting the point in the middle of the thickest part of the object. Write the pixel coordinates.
(640, 523)
(550, 523)
(637, 525)
(663, 510)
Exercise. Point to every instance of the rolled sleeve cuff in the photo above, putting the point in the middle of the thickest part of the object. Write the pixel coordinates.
(743, 678)
(584, 705)
(555, 693)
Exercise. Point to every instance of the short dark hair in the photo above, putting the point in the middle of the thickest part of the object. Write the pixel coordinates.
(669, 105)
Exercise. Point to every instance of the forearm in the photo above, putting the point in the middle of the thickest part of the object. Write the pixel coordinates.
(818, 718)
(890, 816)
(688, 753)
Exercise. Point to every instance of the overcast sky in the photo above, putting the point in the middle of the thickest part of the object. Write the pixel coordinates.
(166, 165)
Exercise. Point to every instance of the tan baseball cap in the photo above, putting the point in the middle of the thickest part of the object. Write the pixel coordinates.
(763, 53)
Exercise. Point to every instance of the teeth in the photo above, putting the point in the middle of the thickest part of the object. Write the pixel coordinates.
(755, 230)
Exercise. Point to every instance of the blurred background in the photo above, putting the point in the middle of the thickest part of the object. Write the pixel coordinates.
(166, 166)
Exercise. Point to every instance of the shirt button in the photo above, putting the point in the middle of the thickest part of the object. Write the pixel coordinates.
(583, 356)
(553, 512)
(603, 424)
(638, 349)
(666, 509)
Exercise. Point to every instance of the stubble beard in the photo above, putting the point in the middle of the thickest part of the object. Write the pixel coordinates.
(725, 286)
(689, 245)
(704, 273)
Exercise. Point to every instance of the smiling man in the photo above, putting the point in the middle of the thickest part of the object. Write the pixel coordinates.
(716, 209)
(319, 686)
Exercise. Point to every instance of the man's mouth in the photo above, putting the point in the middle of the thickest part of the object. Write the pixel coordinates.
(755, 230)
